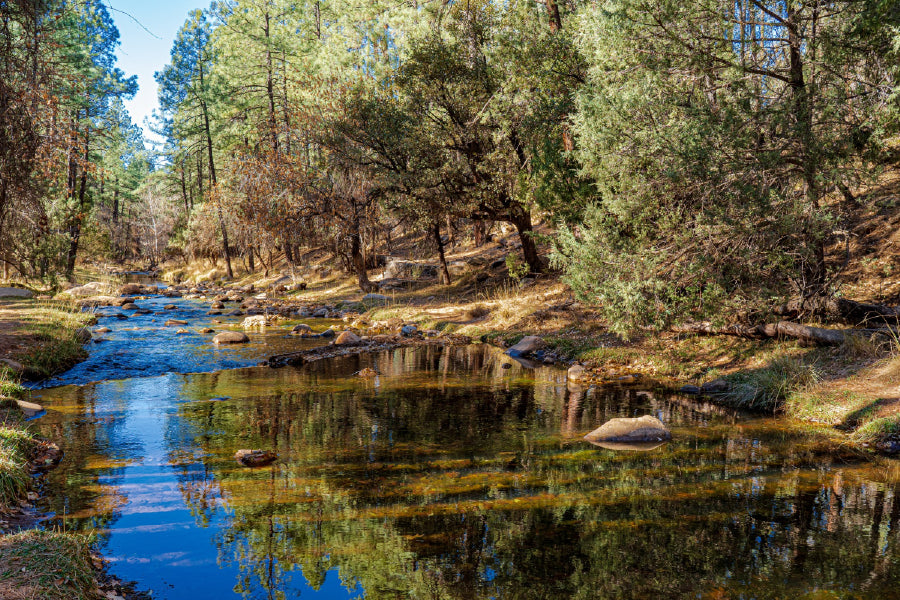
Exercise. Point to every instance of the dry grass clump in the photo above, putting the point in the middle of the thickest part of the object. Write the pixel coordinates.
(46, 564)
(476, 312)
(767, 388)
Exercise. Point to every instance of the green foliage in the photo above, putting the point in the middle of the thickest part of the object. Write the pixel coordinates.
(712, 154)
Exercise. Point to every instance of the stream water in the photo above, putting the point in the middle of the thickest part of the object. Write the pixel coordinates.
(447, 476)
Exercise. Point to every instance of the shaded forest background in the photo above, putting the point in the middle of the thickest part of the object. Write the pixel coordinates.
(692, 158)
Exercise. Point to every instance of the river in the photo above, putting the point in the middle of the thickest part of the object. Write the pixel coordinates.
(455, 473)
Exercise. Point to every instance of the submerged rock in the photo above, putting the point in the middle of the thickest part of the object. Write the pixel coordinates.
(367, 372)
(255, 458)
(129, 306)
(231, 337)
(640, 430)
(45, 456)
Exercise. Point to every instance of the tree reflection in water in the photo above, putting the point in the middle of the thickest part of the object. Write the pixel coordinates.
(450, 477)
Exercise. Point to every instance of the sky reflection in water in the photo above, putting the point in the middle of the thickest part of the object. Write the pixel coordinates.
(451, 477)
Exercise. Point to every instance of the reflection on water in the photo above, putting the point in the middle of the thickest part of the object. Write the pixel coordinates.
(450, 477)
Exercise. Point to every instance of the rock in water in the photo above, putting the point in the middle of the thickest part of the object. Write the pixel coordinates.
(576, 373)
(640, 430)
(255, 458)
(83, 335)
(347, 338)
(30, 409)
(45, 457)
(230, 337)
(302, 329)
(130, 289)
(175, 322)
(527, 345)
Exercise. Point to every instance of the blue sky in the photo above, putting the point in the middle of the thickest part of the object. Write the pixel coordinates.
(142, 53)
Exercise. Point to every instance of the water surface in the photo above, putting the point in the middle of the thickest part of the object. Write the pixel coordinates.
(450, 476)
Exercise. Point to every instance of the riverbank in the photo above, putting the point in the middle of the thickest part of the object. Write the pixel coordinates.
(37, 339)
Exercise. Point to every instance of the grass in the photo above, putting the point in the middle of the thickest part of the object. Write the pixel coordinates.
(879, 429)
(9, 387)
(15, 446)
(46, 564)
(767, 388)
(53, 324)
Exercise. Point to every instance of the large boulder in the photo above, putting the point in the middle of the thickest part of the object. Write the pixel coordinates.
(407, 269)
(527, 345)
(231, 337)
(11, 292)
(85, 291)
(347, 338)
(640, 431)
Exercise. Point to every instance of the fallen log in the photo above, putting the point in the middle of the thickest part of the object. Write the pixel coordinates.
(780, 330)
(840, 310)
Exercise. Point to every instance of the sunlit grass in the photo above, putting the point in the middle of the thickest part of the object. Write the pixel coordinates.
(48, 564)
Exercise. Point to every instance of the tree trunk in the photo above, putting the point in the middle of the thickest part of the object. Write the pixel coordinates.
(553, 14)
(521, 218)
(270, 86)
(859, 314)
(75, 227)
(212, 183)
(779, 330)
(814, 273)
(358, 260)
(115, 210)
(251, 260)
(445, 272)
